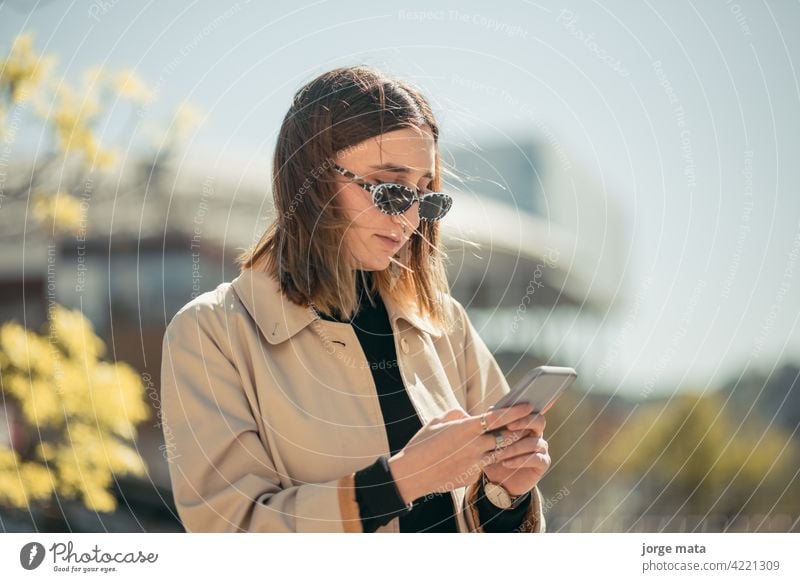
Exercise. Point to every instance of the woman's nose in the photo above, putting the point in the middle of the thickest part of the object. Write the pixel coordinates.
(410, 218)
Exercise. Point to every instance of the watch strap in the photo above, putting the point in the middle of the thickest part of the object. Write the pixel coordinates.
(519, 500)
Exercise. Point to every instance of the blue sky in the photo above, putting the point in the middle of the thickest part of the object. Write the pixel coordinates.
(667, 104)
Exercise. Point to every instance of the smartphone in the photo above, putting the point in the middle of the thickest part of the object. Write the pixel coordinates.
(541, 387)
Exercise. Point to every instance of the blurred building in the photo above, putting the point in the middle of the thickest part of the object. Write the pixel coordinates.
(534, 253)
(548, 267)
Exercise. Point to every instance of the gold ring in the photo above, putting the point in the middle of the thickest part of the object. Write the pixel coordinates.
(484, 425)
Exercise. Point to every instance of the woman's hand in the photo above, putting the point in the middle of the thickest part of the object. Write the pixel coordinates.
(450, 450)
(519, 466)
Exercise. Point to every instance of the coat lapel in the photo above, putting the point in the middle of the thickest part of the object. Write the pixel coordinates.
(279, 318)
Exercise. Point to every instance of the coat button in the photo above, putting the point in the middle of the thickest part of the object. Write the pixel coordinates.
(404, 345)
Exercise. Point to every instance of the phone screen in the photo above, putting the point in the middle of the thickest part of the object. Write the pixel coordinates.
(541, 387)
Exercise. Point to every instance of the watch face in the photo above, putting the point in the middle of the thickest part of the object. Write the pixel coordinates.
(497, 494)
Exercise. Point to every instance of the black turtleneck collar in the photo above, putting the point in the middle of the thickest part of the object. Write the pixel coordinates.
(363, 281)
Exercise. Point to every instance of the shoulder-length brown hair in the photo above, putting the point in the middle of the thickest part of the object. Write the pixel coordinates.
(302, 247)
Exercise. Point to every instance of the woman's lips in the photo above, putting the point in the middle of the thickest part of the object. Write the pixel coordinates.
(394, 245)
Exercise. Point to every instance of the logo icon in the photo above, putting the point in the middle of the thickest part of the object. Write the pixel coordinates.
(31, 555)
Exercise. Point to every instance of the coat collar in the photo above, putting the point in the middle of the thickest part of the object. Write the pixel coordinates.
(279, 318)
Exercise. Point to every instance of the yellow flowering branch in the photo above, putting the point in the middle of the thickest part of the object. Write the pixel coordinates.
(79, 411)
(72, 115)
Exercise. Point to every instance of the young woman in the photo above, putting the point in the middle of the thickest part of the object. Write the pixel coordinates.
(335, 385)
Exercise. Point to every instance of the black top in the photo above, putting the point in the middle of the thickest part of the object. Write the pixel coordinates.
(376, 493)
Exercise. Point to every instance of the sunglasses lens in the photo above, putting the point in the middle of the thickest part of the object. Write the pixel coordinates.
(394, 198)
(434, 206)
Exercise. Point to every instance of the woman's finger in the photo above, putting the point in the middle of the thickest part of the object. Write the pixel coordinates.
(488, 442)
(537, 460)
(535, 422)
(524, 446)
(499, 417)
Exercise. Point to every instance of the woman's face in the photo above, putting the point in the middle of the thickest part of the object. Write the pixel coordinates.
(404, 156)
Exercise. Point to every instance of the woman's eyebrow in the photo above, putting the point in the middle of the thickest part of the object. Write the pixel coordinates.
(399, 169)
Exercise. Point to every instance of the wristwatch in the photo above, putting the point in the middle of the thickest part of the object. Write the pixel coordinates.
(499, 496)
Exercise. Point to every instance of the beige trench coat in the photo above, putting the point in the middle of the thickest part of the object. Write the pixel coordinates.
(268, 410)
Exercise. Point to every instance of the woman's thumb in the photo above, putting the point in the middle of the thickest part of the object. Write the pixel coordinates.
(454, 414)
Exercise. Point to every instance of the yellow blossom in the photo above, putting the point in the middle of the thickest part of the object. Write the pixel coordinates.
(23, 70)
(41, 405)
(79, 412)
(124, 459)
(129, 85)
(71, 118)
(93, 77)
(37, 481)
(45, 451)
(116, 394)
(60, 211)
(98, 499)
(23, 350)
(105, 159)
(8, 460)
(75, 333)
(186, 118)
(22, 482)
(12, 489)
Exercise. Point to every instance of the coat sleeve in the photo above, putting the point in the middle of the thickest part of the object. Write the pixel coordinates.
(223, 477)
(485, 384)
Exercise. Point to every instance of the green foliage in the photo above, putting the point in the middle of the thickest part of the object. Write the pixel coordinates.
(691, 453)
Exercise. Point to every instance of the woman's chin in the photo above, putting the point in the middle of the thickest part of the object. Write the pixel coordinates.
(376, 263)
